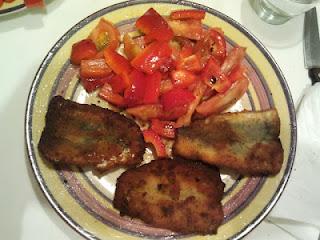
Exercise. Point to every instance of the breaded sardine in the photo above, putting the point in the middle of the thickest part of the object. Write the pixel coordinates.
(247, 142)
(180, 195)
(88, 135)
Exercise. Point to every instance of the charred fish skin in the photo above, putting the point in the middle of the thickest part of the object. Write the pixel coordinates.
(164, 194)
(88, 135)
(247, 142)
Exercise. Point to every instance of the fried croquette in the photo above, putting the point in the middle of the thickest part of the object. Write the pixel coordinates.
(88, 135)
(176, 194)
(247, 142)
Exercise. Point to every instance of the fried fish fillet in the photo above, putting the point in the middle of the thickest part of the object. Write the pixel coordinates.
(247, 142)
(181, 195)
(88, 135)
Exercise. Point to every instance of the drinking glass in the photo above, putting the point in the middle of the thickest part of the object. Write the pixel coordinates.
(280, 11)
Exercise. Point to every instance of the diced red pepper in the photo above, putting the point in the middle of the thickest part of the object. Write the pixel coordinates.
(134, 95)
(105, 35)
(187, 14)
(152, 89)
(182, 78)
(163, 128)
(107, 93)
(219, 49)
(154, 26)
(34, 3)
(117, 83)
(91, 84)
(94, 68)
(118, 63)
(146, 112)
(222, 101)
(131, 48)
(191, 29)
(153, 138)
(176, 97)
(83, 50)
(152, 57)
(213, 70)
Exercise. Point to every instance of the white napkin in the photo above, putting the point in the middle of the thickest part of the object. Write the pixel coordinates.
(298, 209)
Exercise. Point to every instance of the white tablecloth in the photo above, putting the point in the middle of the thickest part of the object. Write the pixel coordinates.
(25, 39)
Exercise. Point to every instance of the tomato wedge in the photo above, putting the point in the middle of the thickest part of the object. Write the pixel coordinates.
(187, 14)
(134, 95)
(107, 94)
(153, 138)
(235, 57)
(176, 97)
(146, 112)
(131, 48)
(153, 57)
(191, 29)
(219, 48)
(105, 35)
(152, 90)
(154, 26)
(91, 84)
(163, 128)
(94, 68)
(83, 50)
(182, 78)
(118, 63)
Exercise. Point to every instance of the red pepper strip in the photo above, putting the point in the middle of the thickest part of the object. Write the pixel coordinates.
(182, 78)
(163, 128)
(222, 101)
(237, 72)
(154, 26)
(198, 92)
(146, 112)
(187, 14)
(153, 138)
(176, 97)
(191, 29)
(219, 49)
(107, 94)
(117, 83)
(91, 84)
(94, 68)
(191, 63)
(82, 50)
(34, 3)
(235, 57)
(152, 57)
(105, 34)
(212, 69)
(131, 48)
(134, 95)
(118, 63)
(152, 88)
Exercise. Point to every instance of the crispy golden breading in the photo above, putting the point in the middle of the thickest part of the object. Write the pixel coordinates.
(88, 135)
(181, 195)
(247, 142)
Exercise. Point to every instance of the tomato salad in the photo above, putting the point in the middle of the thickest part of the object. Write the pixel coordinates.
(168, 70)
(28, 3)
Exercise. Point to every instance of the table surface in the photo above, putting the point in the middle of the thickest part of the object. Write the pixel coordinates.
(25, 39)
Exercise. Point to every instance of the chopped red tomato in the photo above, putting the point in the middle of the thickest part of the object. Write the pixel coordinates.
(107, 94)
(187, 14)
(118, 63)
(219, 48)
(83, 50)
(191, 63)
(94, 68)
(134, 95)
(191, 29)
(91, 84)
(105, 35)
(131, 48)
(163, 128)
(152, 90)
(34, 3)
(154, 26)
(220, 83)
(182, 78)
(237, 72)
(153, 138)
(222, 101)
(152, 57)
(173, 113)
(117, 83)
(175, 98)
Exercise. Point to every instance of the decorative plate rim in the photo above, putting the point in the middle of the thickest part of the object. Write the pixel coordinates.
(37, 79)
(13, 9)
